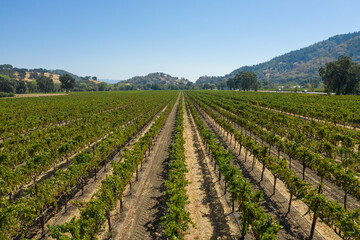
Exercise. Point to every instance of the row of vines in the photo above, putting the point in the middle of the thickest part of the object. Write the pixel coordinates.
(43, 168)
(243, 124)
(97, 211)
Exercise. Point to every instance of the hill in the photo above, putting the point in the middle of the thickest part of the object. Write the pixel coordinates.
(300, 65)
(208, 79)
(32, 74)
(156, 78)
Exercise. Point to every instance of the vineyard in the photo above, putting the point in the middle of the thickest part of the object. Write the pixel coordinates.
(180, 165)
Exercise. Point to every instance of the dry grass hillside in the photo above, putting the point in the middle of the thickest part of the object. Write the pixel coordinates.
(29, 76)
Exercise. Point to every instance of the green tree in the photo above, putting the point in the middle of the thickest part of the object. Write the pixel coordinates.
(315, 83)
(32, 86)
(6, 84)
(156, 87)
(82, 86)
(244, 80)
(21, 87)
(222, 85)
(208, 86)
(103, 86)
(6, 66)
(45, 84)
(67, 82)
(231, 83)
(341, 76)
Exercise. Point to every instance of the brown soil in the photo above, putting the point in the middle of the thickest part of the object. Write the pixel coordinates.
(209, 210)
(39, 95)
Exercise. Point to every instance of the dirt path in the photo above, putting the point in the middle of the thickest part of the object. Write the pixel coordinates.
(296, 225)
(39, 95)
(144, 205)
(208, 207)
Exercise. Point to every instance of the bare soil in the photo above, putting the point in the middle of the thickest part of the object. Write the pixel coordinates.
(209, 209)
(38, 95)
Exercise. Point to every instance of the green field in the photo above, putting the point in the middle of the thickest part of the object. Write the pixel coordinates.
(307, 144)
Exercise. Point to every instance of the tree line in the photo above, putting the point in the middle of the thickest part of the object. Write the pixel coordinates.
(41, 84)
(341, 76)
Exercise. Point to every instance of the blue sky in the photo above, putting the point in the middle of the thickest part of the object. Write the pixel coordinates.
(121, 39)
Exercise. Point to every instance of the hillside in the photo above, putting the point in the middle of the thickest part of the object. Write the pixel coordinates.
(32, 74)
(156, 78)
(208, 79)
(300, 65)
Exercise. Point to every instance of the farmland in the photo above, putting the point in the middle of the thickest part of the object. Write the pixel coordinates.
(171, 164)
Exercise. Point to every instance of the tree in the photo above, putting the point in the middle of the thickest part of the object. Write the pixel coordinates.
(222, 85)
(82, 86)
(57, 88)
(264, 84)
(103, 86)
(21, 87)
(45, 84)
(244, 80)
(315, 83)
(67, 82)
(32, 86)
(231, 83)
(6, 66)
(6, 84)
(208, 86)
(341, 76)
(156, 86)
(249, 81)
(94, 78)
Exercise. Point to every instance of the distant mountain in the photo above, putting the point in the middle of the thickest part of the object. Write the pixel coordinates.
(156, 78)
(32, 74)
(300, 65)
